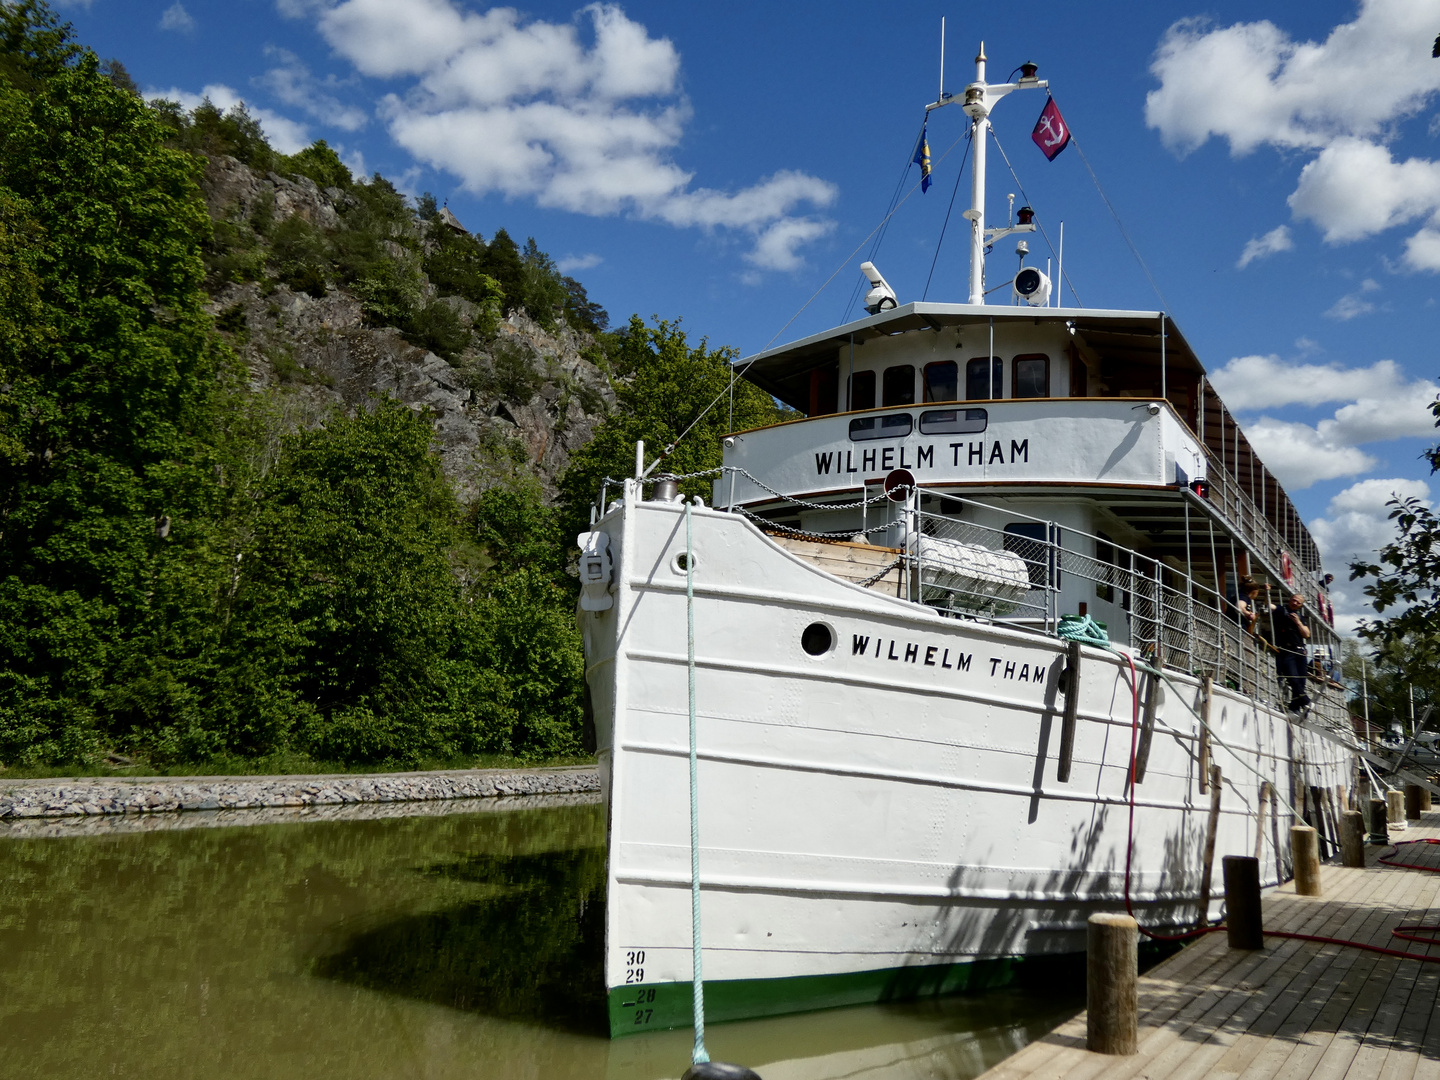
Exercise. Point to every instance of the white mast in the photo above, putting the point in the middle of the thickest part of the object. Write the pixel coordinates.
(978, 109)
(980, 98)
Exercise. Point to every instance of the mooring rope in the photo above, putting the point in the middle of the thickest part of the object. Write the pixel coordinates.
(698, 1055)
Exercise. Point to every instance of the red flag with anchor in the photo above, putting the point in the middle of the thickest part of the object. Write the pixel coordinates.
(1051, 132)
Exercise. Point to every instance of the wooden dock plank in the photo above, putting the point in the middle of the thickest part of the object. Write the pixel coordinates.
(1297, 1010)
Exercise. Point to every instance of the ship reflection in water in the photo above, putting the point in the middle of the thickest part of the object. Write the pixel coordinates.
(431, 945)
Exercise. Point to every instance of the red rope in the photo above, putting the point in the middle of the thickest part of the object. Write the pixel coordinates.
(1405, 931)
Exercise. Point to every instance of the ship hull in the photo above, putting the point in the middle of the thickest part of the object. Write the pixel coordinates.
(884, 819)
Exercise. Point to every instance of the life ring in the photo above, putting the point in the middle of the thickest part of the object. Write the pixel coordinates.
(1285, 571)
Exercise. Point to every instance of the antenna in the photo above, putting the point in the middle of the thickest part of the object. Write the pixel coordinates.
(942, 59)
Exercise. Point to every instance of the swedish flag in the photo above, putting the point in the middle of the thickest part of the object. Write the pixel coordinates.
(922, 158)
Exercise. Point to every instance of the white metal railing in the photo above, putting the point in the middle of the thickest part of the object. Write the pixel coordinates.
(1175, 619)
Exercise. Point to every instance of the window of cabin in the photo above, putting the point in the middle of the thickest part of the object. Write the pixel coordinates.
(1031, 376)
(1079, 378)
(862, 390)
(899, 385)
(1116, 571)
(942, 381)
(1035, 542)
(978, 386)
(824, 390)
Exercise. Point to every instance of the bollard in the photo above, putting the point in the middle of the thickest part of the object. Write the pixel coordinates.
(1352, 838)
(1243, 922)
(1412, 802)
(1395, 808)
(1305, 851)
(1425, 799)
(1379, 820)
(1112, 990)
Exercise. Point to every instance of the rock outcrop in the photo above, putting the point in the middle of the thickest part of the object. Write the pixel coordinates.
(522, 394)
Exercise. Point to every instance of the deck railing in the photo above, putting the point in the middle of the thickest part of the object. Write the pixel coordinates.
(1248, 521)
(1181, 623)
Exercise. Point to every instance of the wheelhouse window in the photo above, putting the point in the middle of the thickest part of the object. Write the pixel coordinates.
(978, 384)
(890, 426)
(1031, 376)
(862, 390)
(942, 381)
(899, 385)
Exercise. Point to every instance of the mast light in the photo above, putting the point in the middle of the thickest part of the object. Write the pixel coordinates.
(1025, 215)
(1028, 70)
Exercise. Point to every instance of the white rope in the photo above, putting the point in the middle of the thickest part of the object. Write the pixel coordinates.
(697, 979)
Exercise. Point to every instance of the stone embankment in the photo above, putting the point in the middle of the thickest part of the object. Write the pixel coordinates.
(99, 796)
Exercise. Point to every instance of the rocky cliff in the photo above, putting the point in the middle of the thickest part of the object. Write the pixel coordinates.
(518, 394)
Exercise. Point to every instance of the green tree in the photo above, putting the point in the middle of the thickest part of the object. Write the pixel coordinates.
(1406, 578)
(665, 387)
(321, 164)
(503, 263)
(111, 406)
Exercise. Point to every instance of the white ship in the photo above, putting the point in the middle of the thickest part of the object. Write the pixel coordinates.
(910, 780)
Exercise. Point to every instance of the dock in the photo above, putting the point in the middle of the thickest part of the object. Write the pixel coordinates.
(1296, 1010)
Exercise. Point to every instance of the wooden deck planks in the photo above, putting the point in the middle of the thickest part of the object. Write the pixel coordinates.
(1297, 1010)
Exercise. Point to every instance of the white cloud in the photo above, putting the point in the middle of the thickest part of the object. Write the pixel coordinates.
(1252, 85)
(1349, 307)
(290, 81)
(581, 116)
(178, 19)
(1355, 189)
(1300, 455)
(1260, 247)
(572, 263)
(284, 134)
(1381, 403)
(1249, 383)
(1356, 523)
(775, 247)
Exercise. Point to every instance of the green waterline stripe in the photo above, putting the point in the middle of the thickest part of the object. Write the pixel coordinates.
(659, 1006)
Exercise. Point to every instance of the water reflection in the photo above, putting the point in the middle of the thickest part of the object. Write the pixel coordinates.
(458, 946)
(534, 951)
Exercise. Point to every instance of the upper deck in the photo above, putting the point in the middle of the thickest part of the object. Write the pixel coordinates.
(989, 397)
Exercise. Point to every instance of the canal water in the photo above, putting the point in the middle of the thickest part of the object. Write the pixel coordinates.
(428, 945)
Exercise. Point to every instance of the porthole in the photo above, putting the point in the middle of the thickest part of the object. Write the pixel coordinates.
(817, 639)
(684, 562)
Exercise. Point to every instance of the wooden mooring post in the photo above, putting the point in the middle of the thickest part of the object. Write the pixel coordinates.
(1395, 806)
(1112, 984)
(1243, 922)
(1412, 802)
(1305, 851)
(1379, 822)
(1352, 838)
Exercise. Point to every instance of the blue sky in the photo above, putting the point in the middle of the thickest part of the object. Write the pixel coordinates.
(1277, 165)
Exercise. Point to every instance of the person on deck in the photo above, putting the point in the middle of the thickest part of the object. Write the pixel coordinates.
(1249, 605)
(1292, 630)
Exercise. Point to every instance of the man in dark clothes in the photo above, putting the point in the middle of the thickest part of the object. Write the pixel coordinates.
(1292, 630)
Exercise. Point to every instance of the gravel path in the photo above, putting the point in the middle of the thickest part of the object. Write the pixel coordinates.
(86, 796)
